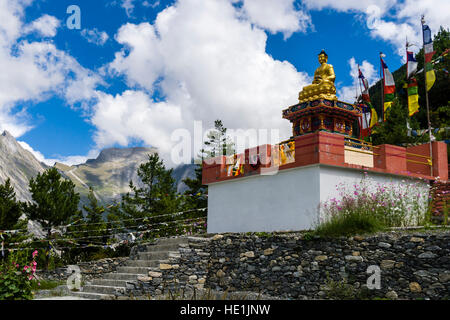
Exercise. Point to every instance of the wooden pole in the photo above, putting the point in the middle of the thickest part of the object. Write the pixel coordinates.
(426, 98)
(382, 89)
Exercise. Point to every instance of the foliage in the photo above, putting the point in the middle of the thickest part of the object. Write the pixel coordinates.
(369, 207)
(54, 199)
(10, 213)
(394, 130)
(196, 196)
(16, 283)
(89, 228)
(439, 97)
(54, 203)
(154, 203)
(10, 209)
(218, 142)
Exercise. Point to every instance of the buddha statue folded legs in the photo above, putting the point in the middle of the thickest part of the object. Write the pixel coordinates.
(322, 86)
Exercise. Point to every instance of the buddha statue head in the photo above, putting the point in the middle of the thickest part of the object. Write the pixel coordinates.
(323, 57)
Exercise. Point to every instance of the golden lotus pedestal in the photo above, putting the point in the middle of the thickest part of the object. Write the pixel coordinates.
(322, 115)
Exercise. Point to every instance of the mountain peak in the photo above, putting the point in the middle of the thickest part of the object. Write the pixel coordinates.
(118, 154)
(7, 134)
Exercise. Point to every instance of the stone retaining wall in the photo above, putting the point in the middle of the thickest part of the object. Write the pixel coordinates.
(89, 270)
(292, 266)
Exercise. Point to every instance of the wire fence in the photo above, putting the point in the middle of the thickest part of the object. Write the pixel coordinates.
(64, 239)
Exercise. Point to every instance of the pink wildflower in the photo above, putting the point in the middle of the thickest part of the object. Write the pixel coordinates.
(35, 253)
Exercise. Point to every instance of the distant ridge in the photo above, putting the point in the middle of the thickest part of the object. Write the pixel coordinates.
(109, 174)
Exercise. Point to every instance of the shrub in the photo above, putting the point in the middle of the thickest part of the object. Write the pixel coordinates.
(369, 207)
(16, 283)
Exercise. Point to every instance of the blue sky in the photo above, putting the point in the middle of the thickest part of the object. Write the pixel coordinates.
(138, 70)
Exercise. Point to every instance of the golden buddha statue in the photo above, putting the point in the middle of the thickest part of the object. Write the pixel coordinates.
(322, 86)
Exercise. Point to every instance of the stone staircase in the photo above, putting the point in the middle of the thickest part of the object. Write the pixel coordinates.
(147, 259)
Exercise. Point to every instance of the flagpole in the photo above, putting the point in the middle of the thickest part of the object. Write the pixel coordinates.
(361, 92)
(382, 89)
(426, 96)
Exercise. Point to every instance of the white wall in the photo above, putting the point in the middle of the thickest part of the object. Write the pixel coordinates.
(288, 200)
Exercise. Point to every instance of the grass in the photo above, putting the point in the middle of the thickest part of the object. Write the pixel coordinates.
(351, 223)
(371, 207)
(46, 284)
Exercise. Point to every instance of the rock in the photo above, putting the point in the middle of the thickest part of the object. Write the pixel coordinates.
(220, 274)
(249, 254)
(154, 274)
(217, 237)
(356, 253)
(201, 281)
(427, 255)
(392, 295)
(358, 238)
(268, 251)
(444, 276)
(165, 266)
(321, 258)
(384, 245)
(193, 277)
(145, 279)
(314, 265)
(274, 269)
(415, 287)
(416, 239)
(354, 258)
(387, 264)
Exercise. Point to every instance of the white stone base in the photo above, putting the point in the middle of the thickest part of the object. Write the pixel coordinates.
(286, 201)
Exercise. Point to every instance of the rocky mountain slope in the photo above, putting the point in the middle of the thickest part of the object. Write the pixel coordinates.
(17, 164)
(109, 174)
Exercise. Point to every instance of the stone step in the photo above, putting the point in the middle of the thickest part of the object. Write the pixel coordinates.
(171, 241)
(143, 263)
(155, 255)
(162, 247)
(103, 289)
(93, 296)
(123, 276)
(111, 282)
(140, 270)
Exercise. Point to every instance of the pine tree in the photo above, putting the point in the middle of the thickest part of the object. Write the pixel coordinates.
(10, 213)
(54, 200)
(10, 209)
(196, 196)
(156, 198)
(218, 142)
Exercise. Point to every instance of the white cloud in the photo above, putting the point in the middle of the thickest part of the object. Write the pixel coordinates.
(277, 16)
(393, 21)
(95, 36)
(128, 5)
(348, 93)
(349, 5)
(207, 63)
(34, 71)
(46, 26)
(143, 64)
(133, 115)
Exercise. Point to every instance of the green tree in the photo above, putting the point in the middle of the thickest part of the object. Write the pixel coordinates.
(196, 196)
(54, 200)
(88, 228)
(439, 97)
(10, 212)
(156, 198)
(218, 142)
(10, 209)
